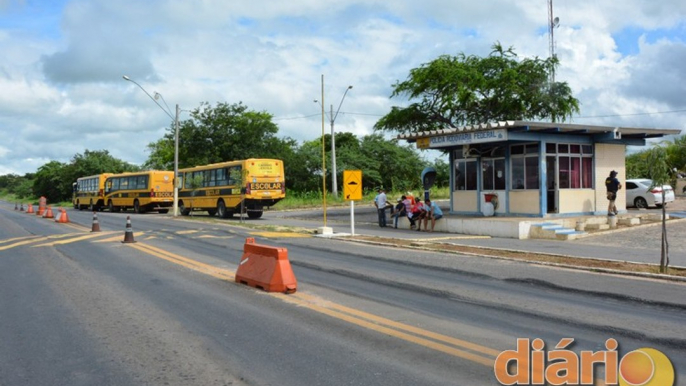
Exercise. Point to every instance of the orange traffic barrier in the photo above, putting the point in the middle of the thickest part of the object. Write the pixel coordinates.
(30, 209)
(96, 224)
(128, 233)
(48, 213)
(62, 218)
(266, 268)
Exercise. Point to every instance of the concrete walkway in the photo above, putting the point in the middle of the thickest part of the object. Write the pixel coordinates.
(640, 244)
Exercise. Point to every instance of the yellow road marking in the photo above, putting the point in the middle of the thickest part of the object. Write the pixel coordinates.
(68, 241)
(20, 243)
(18, 238)
(401, 326)
(33, 239)
(215, 237)
(117, 238)
(219, 273)
(77, 227)
(441, 343)
(280, 234)
(401, 335)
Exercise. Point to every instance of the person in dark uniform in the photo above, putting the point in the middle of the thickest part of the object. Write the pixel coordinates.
(612, 184)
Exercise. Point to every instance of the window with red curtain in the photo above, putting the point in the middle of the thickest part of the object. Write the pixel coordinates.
(587, 172)
(575, 173)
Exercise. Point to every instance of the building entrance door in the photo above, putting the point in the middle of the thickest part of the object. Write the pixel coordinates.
(551, 183)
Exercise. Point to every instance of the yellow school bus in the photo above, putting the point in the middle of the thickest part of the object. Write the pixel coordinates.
(140, 191)
(221, 188)
(89, 192)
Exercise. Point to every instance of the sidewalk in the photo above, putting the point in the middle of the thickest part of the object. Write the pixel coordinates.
(641, 244)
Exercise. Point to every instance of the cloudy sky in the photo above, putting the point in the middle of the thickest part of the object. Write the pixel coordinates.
(62, 62)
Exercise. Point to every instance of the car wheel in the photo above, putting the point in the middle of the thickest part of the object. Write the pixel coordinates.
(640, 203)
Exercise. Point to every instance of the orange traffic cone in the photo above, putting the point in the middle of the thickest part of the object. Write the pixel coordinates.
(40, 211)
(96, 224)
(128, 234)
(63, 218)
(48, 213)
(30, 210)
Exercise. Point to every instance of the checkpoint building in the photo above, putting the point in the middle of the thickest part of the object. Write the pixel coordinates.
(533, 169)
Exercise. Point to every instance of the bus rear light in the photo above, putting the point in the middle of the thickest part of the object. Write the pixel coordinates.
(247, 188)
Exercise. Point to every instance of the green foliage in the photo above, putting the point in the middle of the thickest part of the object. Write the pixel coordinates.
(453, 91)
(221, 133)
(17, 186)
(54, 180)
(673, 153)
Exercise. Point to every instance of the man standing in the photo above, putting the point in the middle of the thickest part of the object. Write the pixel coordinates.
(612, 184)
(380, 204)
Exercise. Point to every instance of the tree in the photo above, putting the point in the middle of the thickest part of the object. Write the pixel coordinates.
(51, 182)
(221, 133)
(660, 172)
(453, 91)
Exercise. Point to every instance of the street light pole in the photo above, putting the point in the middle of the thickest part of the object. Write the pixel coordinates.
(175, 207)
(334, 177)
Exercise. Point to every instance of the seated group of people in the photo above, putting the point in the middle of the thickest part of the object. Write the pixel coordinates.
(416, 212)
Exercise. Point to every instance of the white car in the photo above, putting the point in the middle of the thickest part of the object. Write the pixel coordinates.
(639, 193)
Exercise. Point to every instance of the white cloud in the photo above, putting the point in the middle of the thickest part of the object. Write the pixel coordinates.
(63, 90)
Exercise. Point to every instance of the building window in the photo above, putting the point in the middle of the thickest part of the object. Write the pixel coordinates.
(575, 165)
(465, 174)
(525, 168)
(493, 174)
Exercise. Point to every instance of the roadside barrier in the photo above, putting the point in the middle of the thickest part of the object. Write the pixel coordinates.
(62, 218)
(30, 210)
(48, 213)
(96, 224)
(128, 233)
(266, 268)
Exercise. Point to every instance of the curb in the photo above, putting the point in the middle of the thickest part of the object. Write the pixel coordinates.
(657, 276)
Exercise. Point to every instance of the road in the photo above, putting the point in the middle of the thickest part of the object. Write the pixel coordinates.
(82, 308)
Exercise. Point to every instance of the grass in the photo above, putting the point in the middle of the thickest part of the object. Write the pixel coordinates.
(298, 200)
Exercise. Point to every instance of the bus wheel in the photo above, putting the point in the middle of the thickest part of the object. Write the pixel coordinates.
(221, 209)
(182, 208)
(112, 208)
(137, 207)
(254, 213)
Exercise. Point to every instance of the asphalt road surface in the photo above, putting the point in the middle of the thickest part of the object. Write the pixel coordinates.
(83, 308)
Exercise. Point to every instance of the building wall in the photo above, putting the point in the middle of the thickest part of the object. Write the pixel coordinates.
(578, 200)
(525, 202)
(465, 201)
(607, 158)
